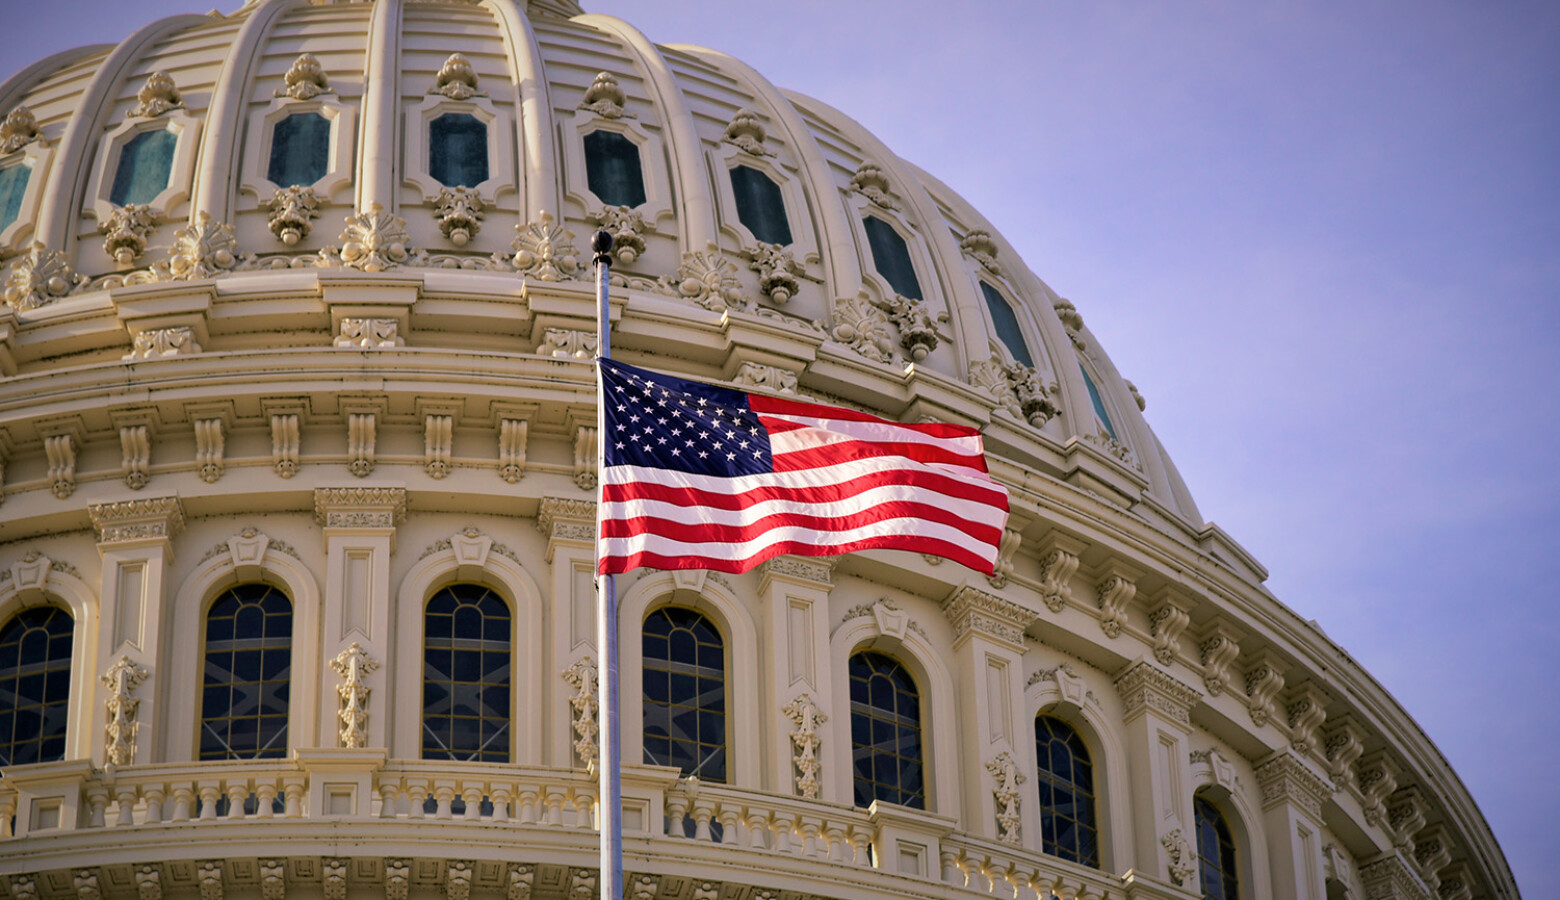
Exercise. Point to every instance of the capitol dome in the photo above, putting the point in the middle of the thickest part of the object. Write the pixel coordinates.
(298, 461)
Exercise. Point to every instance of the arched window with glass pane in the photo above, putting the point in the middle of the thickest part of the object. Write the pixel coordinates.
(885, 732)
(1066, 786)
(300, 150)
(1006, 322)
(458, 150)
(13, 188)
(466, 667)
(1215, 851)
(760, 206)
(684, 674)
(35, 648)
(144, 167)
(613, 169)
(1099, 403)
(247, 674)
(891, 258)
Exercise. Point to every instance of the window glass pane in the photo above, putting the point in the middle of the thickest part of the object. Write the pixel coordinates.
(458, 150)
(1099, 404)
(1006, 323)
(1215, 852)
(300, 150)
(613, 169)
(1066, 788)
(13, 184)
(760, 205)
(145, 164)
(885, 713)
(685, 695)
(35, 647)
(466, 666)
(891, 256)
(246, 674)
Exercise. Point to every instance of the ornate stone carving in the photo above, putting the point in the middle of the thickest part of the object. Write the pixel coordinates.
(870, 182)
(369, 333)
(1113, 447)
(1056, 571)
(398, 878)
(777, 271)
(544, 250)
(1144, 686)
(1342, 748)
(979, 246)
(202, 250)
(293, 211)
(456, 80)
(121, 679)
(374, 241)
(1137, 397)
(134, 520)
(148, 882)
(708, 279)
(772, 378)
(512, 439)
(457, 880)
(87, 888)
(360, 443)
(806, 738)
(1217, 650)
(354, 665)
(585, 457)
(1178, 857)
(643, 887)
(1390, 878)
(1166, 621)
(1264, 680)
(334, 878)
(40, 276)
(284, 444)
(582, 884)
(1405, 816)
(1072, 688)
(23, 887)
(521, 878)
(126, 230)
(863, 328)
(1004, 769)
(816, 571)
(438, 441)
(1432, 853)
(746, 131)
(969, 609)
(567, 518)
(61, 451)
(157, 343)
(1114, 593)
(1377, 779)
(157, 96)
(581, 676)
(605, 98)
(1304, 713)
(460, 214)
(305, 79)
(135, 455)
(1017, 388)
(360, 507)
(917, 333)
(627, 228)
(209, 446)
(1072, 322)
(1285, 779)
(19, 129)
(564, 343)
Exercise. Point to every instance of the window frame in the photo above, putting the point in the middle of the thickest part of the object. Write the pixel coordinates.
(181, 174)
(69, 708)
(725, 157)
(1203, 797)
(36, 157)
(726, 686)
(1095, 800)
(652, 164)
(504, 184)
(203, 630)
(512, 638)
(923, 718)
(262, 125)
(1027, 333)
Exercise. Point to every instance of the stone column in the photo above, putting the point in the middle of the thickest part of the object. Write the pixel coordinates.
(360, 527)
(135, 538)
(1292, 797)
(570, 528)
(1157, 718)
(795, 687)
(988, 648)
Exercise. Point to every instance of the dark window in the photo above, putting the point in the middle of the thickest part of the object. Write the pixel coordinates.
(1008, 332)
(458, 150)
(247, 674)
(145, 164)
(466, 663)
(613, 170)
(1215, 852)
(300, 150)
(35, 650)
(1066, 784)
(760, 206)
(13, 186)
(685, 693)
(892, 258)
(885, 732)
(1099, 402)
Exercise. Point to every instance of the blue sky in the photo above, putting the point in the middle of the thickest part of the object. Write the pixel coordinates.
(1320, 236)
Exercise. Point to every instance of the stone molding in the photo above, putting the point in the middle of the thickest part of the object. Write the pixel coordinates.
(561, 518)
(973, 610)
(816, 571)
(1390, 877)
(1284, 778)
(360, 507)
(125, 521)
(1145, 686)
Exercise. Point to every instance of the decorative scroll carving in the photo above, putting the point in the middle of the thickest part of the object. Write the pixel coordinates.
(1377, 779)
(460, 214)
(806, 739)
(1342, 748)
(135, 455)
(1405, 816)
(564, 343)
(374, 241)
(334, 872)
(1005, 770)
(38, 277)
(605, 98)
(1114, 593)
(521, 878)
(863, 328)
(210, 444)
(1143, 686)
(1305, 713)
(512, 439)
(627, 228)
(61, 451)
(293, 211)
(398, 878)
(581, 676)
(209, 876)
(585, 457)
(354, 665)
(777, 270)
(284, 444)
(148, 882)
(156, 343)
(126, 230)
(1005, 550)
(1056, 571)
(360, 443)
(134, 520)
(19, 129)
(306, 79)
(1178, 855)
(544, 250)
(708, 279)
(369, 333)
(202, 249)
(1432, 853)
(121, 679)
(438, 441)
(1166, 621)
(1263, 682)
(1218, 651)
(773, 378)
(870, 182)
(456, 80)
(979, 246)
(157, 96)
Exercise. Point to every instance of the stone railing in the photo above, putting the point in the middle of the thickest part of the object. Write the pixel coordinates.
(1003, 870)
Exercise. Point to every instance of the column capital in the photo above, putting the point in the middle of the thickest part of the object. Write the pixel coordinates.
(1390, 877)
(135, 521)
(360, 507)
(568, 520)
(1285, 778)
(971, 609)
(1144, 685)
(813, 572)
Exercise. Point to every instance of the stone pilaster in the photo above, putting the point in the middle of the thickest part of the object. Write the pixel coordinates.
(793, 596)
(1156, 716)
(1392, 877)
(570, 528)
(1292, 798)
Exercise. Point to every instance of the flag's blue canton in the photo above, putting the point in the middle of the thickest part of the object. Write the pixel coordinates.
(668, 423)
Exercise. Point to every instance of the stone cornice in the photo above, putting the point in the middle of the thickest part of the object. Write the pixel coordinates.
(794, 568)
(360, 507)
(1146, 686)
(126, 521)
(1390, 877)
(973, 610)
(567, 520)
(1284, 778)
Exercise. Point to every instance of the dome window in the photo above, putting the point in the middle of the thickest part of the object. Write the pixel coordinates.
(885, 732)
(760, 206)
(1099, 403)
(466, 665)
(458, 150)
(300, 150)
(248, 674)
(685, 693)
(1215, 852)
(35, 650)
(13, 187)
(891, 257)
(145, 164)
(613, 169)
(1066, 786)
(1006, 323)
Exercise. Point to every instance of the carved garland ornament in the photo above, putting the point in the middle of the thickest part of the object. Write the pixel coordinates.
(354, 666)
(581, 676)
(293, 211)
(126, 230)
(1005, 770)
(806, 739)
(121, 679)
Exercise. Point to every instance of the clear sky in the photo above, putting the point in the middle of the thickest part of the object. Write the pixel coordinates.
(1322, 236)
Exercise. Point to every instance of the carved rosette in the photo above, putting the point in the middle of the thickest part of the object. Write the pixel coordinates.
(126, 230)
(605, 97)
(19, 129)
(121, 679)
(456, 80)
(306, 79)
(863, 328)
(746, 132)
(459, 210)
(1004, 770)
(293, 211)
(38, 277)
(544, 250)
(374, 240)
(157, 96)
(777, 271)
(708, 279)
(581, 676)
(354, 665)
(627, 228)
(202, 249)
(806, 739)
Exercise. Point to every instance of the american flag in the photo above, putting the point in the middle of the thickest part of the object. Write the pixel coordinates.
(697, 476)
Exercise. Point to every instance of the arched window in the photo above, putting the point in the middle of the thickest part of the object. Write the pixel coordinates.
(1099, 403)
(613, 169)
(885, 732)
(891, 257)
(13, 187)
(1006, 323)
(247, 674)
(466, 664)
(685, 693)
(458, 150)
(1066, 783)
(35, 648)
(145, 164)
(300, 150)
(1215, 852)
(760, 205)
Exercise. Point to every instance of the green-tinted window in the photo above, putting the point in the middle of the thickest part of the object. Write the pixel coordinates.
(13, 185)
(458, 150)
(685, 693)
(760, 205)
(1007, 325)
(466, 665)
(300, 150)
(1066, 786)
(35, 648)
(247, 674)
(1215, 852)
(892, 258)
(1099, 404)
(613, 169)
(885, 732)
(145, 164)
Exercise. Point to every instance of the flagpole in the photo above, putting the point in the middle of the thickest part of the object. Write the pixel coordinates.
(610, 802)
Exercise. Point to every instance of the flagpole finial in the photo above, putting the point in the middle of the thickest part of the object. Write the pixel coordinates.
(601, 245)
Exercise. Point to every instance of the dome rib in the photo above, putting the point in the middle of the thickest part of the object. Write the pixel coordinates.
(378, 144)
(534, 110)
(14, 88)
